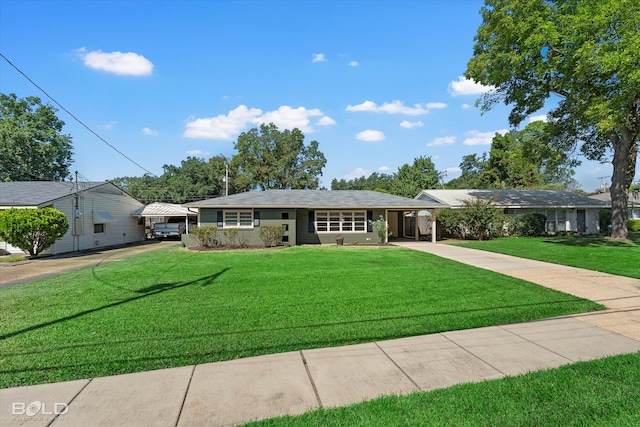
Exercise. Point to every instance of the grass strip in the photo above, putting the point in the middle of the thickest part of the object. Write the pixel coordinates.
(593, 252)
(177, 307)
(599, 392)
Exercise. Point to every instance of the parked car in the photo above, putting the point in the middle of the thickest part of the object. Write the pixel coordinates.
(163, 230)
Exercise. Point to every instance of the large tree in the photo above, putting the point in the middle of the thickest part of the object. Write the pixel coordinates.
(583, 55)
(32, 147)
(268, 158)
(410, 180)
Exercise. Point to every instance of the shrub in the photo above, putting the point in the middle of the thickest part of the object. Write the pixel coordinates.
(271, 235)
(381, 228)
(481, 219)
(32, 230)
(206, 235)
(236, 237)
(530, 225)
(633, 225)
(450, 220)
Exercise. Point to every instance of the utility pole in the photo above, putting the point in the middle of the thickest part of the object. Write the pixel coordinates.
(226, 179)
(604, 183)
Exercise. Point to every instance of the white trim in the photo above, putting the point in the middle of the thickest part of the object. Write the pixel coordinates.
(240, 217)
(340, 221)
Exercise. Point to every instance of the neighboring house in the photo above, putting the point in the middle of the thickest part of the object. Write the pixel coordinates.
(565, 211)
(99, 213)
(633, 205)
(310, 216)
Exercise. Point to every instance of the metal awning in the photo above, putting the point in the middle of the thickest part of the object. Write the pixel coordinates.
(101, 217)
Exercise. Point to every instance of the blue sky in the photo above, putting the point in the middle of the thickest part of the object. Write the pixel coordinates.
(376, 83)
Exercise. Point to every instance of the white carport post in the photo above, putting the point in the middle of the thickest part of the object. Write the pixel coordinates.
(434, 231)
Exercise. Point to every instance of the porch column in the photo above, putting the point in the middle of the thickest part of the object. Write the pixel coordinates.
(434, 231)
(417, 225)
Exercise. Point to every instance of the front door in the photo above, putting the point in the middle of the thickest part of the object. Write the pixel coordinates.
(582, 221)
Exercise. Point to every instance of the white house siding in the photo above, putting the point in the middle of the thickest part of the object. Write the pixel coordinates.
(592, 217)
(124, 229)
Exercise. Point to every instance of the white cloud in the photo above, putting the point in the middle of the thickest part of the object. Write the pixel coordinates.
(318, 57)
(354, 63)
(464, 86)
(540, 118)
(465, 106)
(286, 117)
(197, 153)
(108, 126)
(408, 125)
(326, 121)
(150, 132)
(370, 135)
(436, 105)
(384, 168)
(224, 126)
(475, 137)
(396, 107)
(444, 140)
(357, 173)
(123, 63)
(228, 126)
(453, 170)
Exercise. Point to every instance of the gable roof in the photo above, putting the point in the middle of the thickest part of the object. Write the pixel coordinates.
(42, 193)
(317, 199)
(633, 198)
(515, 198)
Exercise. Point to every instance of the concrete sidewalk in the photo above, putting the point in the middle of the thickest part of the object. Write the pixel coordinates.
(242, 390)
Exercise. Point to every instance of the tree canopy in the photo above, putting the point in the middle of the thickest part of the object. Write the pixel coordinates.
(410, 180)
(32, 147)
(583, 55)
(268, 158)
(195, 179)
(381, 182)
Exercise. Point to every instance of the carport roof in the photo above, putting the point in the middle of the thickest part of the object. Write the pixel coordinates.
(317, 199)
(163, 209)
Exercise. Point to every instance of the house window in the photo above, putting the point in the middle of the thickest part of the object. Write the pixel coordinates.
(556, 221)
(341, 221)
(98, 228)
(238, 219)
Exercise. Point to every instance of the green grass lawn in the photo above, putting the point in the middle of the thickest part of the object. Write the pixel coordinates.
(176, 307)
(599, 392)
(598, 253)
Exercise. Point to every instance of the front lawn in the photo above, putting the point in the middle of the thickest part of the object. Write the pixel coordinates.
(598, 392)
(176, 307)
(598, 253)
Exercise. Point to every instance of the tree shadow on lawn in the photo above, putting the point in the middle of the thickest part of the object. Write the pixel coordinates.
(594, 241)
(146, 292)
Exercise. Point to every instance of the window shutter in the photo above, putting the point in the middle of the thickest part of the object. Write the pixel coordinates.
(220, 219)
(256, 218)
(312, 228)
(369, 219)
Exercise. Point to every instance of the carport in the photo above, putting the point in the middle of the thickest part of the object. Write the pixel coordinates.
(162, 212)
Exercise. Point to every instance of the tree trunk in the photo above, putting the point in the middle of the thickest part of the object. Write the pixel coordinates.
(625, 151)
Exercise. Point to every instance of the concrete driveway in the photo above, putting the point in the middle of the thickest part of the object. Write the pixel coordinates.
(41, 268)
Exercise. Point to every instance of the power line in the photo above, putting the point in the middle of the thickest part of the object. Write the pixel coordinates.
(75, 118)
